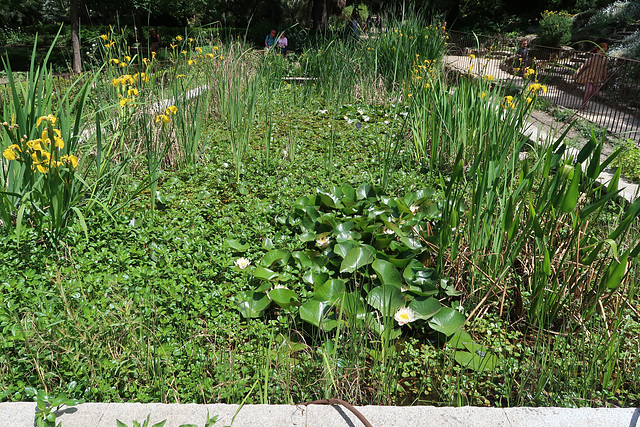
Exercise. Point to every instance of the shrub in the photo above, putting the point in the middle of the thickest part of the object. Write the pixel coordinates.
(620, 13)
(555, 28)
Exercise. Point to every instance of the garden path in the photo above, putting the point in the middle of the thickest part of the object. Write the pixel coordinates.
(603, 115)
(542, 125)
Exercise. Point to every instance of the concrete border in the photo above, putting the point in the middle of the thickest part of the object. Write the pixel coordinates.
(21, 414)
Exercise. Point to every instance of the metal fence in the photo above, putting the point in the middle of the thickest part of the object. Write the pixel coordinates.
(617, 105)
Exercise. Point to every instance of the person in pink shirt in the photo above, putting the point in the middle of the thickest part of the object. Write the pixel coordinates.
(282, 44)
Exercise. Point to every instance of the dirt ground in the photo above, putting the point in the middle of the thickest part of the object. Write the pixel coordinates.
(551, 126)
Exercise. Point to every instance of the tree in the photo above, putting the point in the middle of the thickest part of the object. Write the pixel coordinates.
(75, 35)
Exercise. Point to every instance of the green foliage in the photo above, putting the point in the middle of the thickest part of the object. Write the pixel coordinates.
(358, 245)
(47, 405)
(554, 28)
(39, 162)
(629, 161)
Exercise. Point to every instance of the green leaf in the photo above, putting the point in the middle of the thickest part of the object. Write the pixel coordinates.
(387, 273)
(314, 311)
(425, 308)
(330, 290)
(364, 192)
(253, 304)
(570, 198)
(284, 297)
(307, 236)
(343, 248)
(460, 339)
(236, 245)
(616, 271)
(264, 273)
(386, 298)
(447, 321)
(356, 258)
(274, 256)
(303, 259)
(481, 359)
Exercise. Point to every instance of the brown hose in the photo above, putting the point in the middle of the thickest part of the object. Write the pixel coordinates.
(339, 402)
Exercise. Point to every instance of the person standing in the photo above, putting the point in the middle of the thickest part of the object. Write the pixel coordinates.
(592, 73)
(522, 54)
(282, 44)
(270, 40)
(154, 41)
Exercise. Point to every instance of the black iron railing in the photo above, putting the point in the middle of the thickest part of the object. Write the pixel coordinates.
(616, 107)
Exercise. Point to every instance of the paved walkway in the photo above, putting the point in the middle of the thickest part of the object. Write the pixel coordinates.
(599, 113)
(105, 415)
(539, 131)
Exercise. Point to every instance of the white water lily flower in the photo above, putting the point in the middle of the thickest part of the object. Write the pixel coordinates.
(323, 242)
(242, 263)
(404, 315)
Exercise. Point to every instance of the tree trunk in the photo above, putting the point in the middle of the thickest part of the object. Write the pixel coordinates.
(75, 35)
(318, 14)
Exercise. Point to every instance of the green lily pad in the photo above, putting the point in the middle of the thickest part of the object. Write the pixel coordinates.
(357, 257)
(387, 272)
(253, 304)
(386, 298)
(284, 297)
(425, 308)
(447, 321)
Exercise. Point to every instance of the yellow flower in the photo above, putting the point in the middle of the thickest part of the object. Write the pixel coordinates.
(70, 159)
(35, 145)
(508, 99)
(123, 64)
(184, 52)
(133, 92)
(427, 86)
(9, 154)
(179, 76)
(172, 109)
(192, 62)
(163, 118)
(49, 118)
(173, 46)
(190, 40)
(528, 100)
(482, 95)
(199, 49)
(114, 61)
(472, 56)
(104, 37)
(146, 61)
(488, 77)
(179, 38)
(127, 58)
(208, 55)
(216, 48)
